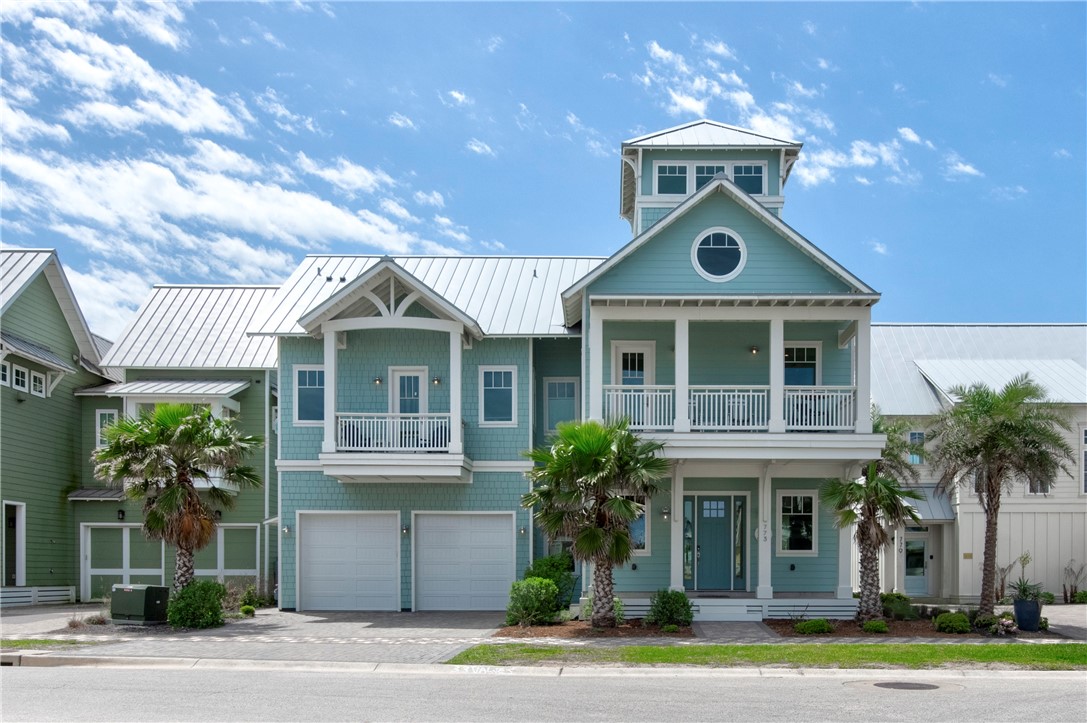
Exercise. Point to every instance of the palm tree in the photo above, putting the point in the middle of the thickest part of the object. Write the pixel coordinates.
(159, 456)
(586, 486)
(991, 438)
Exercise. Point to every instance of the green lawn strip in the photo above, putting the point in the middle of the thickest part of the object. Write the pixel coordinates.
(38, 643)
(1059, 656)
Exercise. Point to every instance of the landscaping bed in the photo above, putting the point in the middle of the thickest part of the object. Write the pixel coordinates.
(634, 628)
(897, 629)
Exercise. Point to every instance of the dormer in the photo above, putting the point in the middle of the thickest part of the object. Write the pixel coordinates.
(662, 169)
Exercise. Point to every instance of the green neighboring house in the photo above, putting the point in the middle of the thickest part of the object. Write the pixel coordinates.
(47, 353)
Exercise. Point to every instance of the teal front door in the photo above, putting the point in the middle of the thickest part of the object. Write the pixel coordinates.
(714, 532)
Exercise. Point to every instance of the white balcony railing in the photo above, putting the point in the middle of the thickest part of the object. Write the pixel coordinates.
(365, 432)
(730, 408)
(820, 409)
(648, 407)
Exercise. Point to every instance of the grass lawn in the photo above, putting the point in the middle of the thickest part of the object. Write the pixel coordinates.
(39, 643)
(1057, 656)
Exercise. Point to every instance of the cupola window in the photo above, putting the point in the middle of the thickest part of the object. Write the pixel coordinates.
(672, 179)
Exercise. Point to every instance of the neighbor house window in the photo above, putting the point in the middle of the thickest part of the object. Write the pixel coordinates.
(705, 174)
(309, 406)
(801, 365)
(1038, 487)
(102, 419)
(497, 396)
(917, 438)
(20, 378)
(671, 179)
(749, 178)
(5, 374)
(797, 528)
(37, 384)
(560, 401)
(639, 529)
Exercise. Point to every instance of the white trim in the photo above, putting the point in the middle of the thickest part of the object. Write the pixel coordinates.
(547, 398)
(394, 374)
(221, 571)
(921, 457)
(1081, 483)
(15, 371)
(500, 465)
(814, 552)
(37, 384)
(697, 243)
(749, 534)
(692, 182)
(20, 542)
(5, 374)
(416, 513)
(512, 422)
(620, 346)
(295, 368)
(647, 514)
(126, 570)
(817, 345)
(399, 322)
(98, 426)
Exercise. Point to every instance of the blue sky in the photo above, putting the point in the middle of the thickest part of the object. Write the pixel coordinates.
(943, 160)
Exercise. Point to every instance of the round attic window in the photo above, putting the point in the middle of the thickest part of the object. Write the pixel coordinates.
(719, 254)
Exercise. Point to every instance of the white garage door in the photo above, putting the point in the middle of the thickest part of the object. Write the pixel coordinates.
(463, 562)
(349, 561)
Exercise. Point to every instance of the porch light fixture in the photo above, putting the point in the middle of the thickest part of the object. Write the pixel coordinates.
(523, 531)
(405, 528)
(286, 530)
(121, 515)
(378, 381)
(754, 349)
(666, 513)
(218, 515)
(436, 381)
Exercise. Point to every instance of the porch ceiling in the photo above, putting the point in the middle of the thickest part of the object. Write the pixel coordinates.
(764, 447)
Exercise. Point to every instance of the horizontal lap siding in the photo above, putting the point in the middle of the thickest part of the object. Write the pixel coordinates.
(661, 332)
(812, 574)
(836, 363)
(496, 443)
(721, 353)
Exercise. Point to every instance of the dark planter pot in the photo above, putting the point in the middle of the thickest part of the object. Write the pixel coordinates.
(1028, 614)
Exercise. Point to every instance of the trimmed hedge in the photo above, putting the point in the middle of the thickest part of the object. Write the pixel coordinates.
(670, 607)
(956, 623)
(818, 626)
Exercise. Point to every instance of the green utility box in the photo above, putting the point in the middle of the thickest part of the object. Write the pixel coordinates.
(139, 604)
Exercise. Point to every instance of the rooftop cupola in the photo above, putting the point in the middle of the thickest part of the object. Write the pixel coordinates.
(660, 170)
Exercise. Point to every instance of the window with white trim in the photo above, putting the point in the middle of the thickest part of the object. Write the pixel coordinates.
(639, 529)
(309, 396)
(498, 396)
(37, 384)
(749, 177)
(5, 374)
(798, 523)
(1038, 487)
(561, 403)
(718, 254)
(672, 180)
(20, 378)
(102, 419)
(705, 174)
(917, 438)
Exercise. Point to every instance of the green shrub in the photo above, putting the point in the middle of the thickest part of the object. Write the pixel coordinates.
(248, 611)
(887, 597)
(1080, 597)
(875, 626)
(1043, 623)
(985, 623)
(670, 607)
(251, 598)
(956, 623)
(669, 628)
(818, 626)
(899, 609)
(1047, 598)
(617, 609)
(197, 605)
(532, 602)
(559, 570)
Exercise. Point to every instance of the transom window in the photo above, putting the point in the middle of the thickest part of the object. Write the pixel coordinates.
(672, 179)
(719, 254)
(917, 438)
(309, 406)
(798, 529)
(497, 396)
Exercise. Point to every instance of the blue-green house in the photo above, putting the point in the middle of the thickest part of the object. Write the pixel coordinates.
(410, 386)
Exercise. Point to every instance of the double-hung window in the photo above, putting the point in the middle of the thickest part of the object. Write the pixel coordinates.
(5, 374)
(102, 419)
(917, 438)
(639, 528)
(801, 365)
(749, 178)
(20, 378)
(309, 406)
(798, 524)
(498, 396)
(37, 384)
(560, 401)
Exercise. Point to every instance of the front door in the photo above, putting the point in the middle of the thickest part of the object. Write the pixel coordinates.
(714, 532)
(632, 366)
(916, 567)
(407, 404)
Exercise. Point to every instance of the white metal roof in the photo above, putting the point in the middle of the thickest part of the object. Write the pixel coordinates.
(1065, 381)
(506, 295)
(196, 327)
(936, 507)
(169, 388)
(900, 388)
(35, 352)
(707, 133)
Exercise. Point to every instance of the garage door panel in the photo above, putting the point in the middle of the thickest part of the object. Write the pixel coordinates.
(350, 562)
(463, 562)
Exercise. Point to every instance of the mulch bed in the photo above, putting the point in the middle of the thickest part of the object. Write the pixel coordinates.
(635, 628)
(898, 629)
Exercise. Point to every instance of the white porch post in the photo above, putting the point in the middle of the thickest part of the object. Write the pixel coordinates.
(845, 563)
(329, 443)
(675, 578)
(456, 431)
(863, 341)
(683, 369)
(777, 375)
(766, 535)
(596, 367)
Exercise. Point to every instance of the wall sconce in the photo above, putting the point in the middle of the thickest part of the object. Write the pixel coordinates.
(286, 530)
(218, 515)
(436, 381)
(523, 530)
(405, 529)
(754, 350)
(378, 381)
(121, 515)
(666, 513)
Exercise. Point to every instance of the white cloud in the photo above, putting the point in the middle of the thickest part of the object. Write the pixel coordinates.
(879, 247)
(595, 142)
(610, 76)
(402, 121)
(108, 295)
(391, 207)
(1000, 81)
(429, 199)
(456, 97)
(155, 21)
(682, 103)
(667, 57)
(17, 126)
(909, 135)
(730, 78)
(862, 180)
(798, 88)
(214, 157)
(494, 43)
(956, 167)
(1008, 193)
(824, 64)
(717, 47)
(479, 147)
(270, 102)
(446, 227)
(496, 246)
(345, 175)
(809, 27)
(1062, 153)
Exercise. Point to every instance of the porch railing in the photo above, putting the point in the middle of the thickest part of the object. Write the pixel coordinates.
(365, 432)
(820, 409)
(730, 408)
(648, 407)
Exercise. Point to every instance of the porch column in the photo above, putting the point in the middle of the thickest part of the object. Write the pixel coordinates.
(329, 444)
(766, 535)
(845, 562)
(863, 341)
(596, 367)
(777, 375)
(456, 430)
(683, 373)
(675, 529)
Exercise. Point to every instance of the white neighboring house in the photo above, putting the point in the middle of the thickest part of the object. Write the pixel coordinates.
(913, 367)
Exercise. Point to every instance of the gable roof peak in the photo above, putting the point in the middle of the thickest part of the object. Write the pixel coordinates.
(706, 133)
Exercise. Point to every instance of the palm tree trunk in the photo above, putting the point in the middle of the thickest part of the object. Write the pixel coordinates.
(870, 607)
(988, 565)
(603, 615)
(183, 568)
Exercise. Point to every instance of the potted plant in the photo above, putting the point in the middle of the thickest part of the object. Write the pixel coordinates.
(1028, 606)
